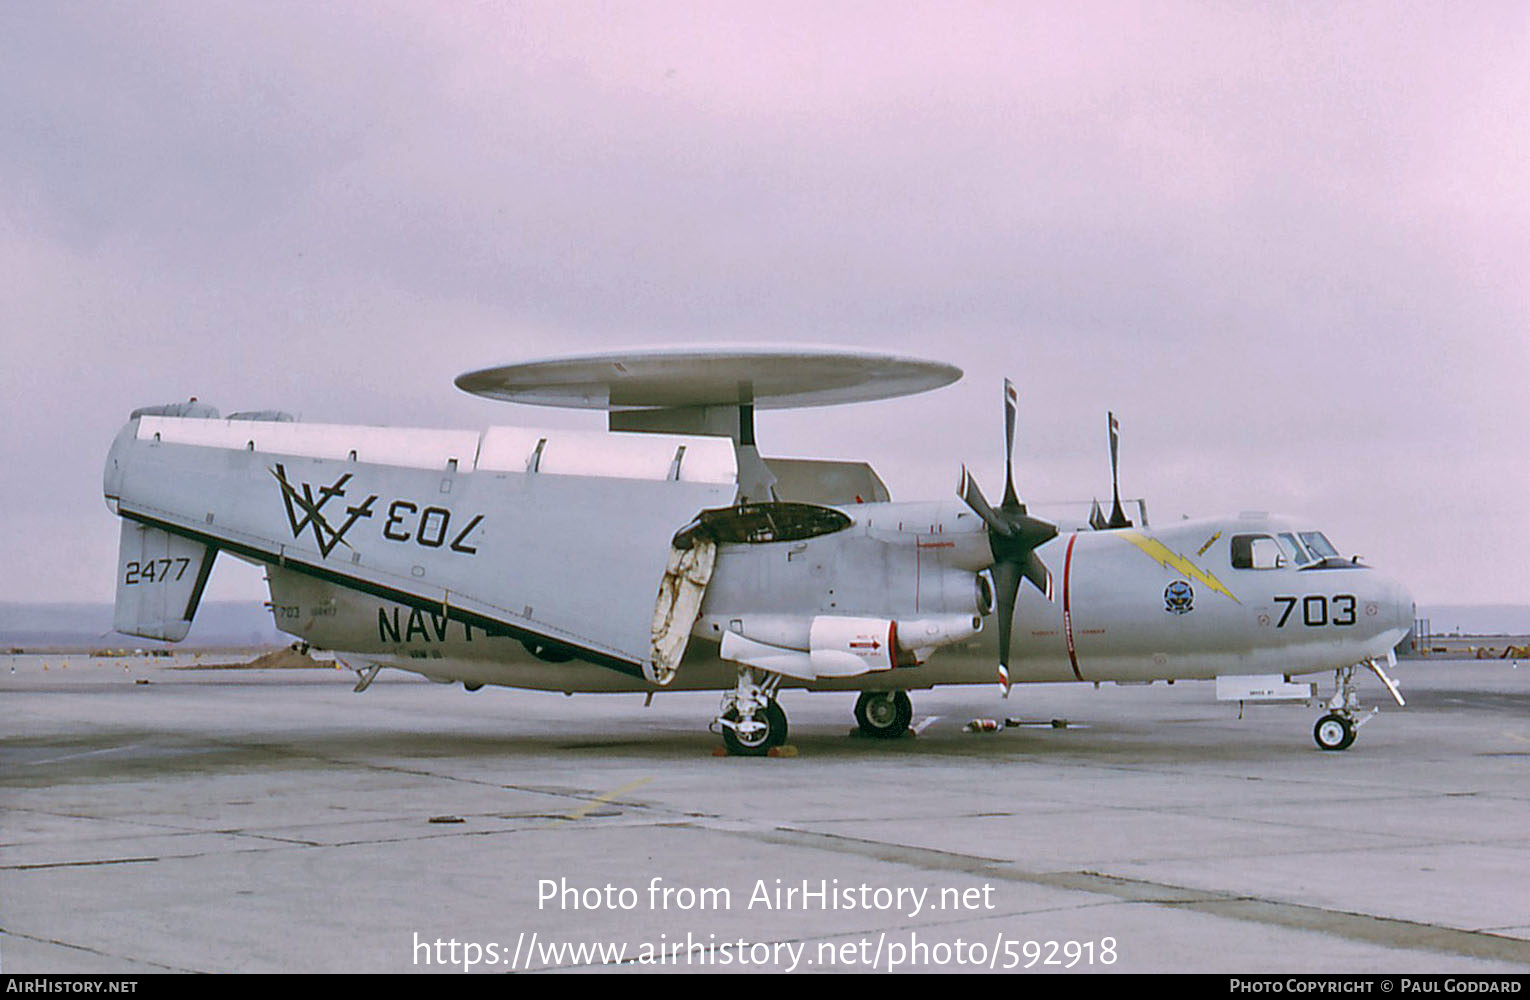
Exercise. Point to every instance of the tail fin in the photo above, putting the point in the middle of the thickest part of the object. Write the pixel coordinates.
(160, 579)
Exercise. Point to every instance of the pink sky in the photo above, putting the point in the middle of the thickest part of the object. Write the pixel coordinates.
(1286, 245)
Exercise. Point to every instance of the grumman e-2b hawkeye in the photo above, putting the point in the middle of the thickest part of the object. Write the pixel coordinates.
(668, 553)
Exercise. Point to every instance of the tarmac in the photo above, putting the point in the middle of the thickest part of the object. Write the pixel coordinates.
(160, 819)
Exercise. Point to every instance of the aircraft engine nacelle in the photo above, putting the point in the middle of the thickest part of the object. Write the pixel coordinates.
(840, 646)
(848, 647)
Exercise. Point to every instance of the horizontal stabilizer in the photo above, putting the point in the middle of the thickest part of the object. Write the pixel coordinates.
(160, 579)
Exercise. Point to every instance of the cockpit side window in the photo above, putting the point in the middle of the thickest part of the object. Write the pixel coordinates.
(1318, 543)
(1294, 549)
(1256, 552)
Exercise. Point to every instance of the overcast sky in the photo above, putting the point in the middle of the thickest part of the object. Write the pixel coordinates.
(1287, 243)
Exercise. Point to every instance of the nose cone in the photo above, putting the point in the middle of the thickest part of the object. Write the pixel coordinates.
(1397, 607)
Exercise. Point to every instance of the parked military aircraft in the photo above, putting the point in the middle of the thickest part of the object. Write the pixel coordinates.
(669, 554)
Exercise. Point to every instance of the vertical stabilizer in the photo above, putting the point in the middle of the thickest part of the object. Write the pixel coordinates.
(160, 579)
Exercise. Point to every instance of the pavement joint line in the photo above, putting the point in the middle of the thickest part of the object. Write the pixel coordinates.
(1357, 789)
(299, 752)
(419, 772)
(130, 821)
(157, 829)
(163, 830)
(39, 865)
(292, 751)
(74, 756)
(1510, 842)
(1402, 840)
(93, 951)
(1392, 932)
(290, 841)
(278, 844)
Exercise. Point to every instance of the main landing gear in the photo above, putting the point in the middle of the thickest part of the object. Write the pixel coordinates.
(752, 723)
(884, 715)
(1336, 730)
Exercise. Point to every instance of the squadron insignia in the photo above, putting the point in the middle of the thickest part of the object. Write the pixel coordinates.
(1179, 598)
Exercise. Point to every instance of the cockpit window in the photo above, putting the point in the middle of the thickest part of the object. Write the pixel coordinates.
(1294, 549)
(1318, 543)
(1256, 552)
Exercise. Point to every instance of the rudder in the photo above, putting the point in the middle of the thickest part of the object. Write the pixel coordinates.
(160, 579)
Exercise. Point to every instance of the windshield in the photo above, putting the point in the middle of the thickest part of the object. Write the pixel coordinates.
(1318, 543)
(1294, 549)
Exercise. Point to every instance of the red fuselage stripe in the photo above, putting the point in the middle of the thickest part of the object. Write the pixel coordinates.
(1067, 606)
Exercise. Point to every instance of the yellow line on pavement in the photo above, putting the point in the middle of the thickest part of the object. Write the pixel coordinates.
(601, 800)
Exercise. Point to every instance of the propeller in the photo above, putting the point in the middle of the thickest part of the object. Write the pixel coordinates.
(1013, 537)
(1118, 518)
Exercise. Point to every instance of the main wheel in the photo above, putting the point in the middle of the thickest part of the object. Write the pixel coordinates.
(884, 714)
(1334, 732)
(776, 716)
(758, 742)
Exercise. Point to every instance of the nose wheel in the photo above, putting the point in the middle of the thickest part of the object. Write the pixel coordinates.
(1334, 732)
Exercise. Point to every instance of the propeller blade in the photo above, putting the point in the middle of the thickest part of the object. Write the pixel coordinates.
(1036, 571)
(973, 497)
(1115, 441)
(1006, 585)
(1032, 532)
(1011, 404)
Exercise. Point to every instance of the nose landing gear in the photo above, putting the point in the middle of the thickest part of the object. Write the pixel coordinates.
(1334, 732)
(1337, 729)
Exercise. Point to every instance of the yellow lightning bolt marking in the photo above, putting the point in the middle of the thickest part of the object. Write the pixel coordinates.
(1160, 552)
